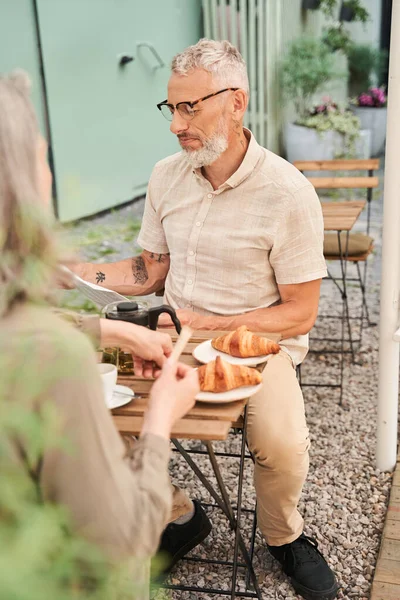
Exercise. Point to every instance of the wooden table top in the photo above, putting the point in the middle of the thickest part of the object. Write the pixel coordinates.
(341, 216)
(205, 421)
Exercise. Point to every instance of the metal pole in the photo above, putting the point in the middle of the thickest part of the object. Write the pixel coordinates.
(388, 386)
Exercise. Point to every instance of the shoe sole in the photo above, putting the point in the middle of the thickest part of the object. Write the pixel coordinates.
(195, 541)
(308, 594)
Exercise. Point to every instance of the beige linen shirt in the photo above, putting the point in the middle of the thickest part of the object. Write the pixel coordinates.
(231, 247)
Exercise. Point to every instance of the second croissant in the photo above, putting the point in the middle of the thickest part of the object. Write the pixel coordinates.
(220, 376)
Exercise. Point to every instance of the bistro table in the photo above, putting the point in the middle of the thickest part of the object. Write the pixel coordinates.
(206, 422)
(341, 217)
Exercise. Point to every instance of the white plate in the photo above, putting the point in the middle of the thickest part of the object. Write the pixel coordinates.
(205, 353)
(122, 395)
(223, 397)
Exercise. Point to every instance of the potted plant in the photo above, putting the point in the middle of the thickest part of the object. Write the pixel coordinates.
(337, 38)
(336, 132)
(370, 108)
(323, 132)
(311, 4)
(327, 6)
(353, 10)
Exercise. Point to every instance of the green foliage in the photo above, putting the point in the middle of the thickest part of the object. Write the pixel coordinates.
(336, 38)
(328, 7)
(130, 230)
(360, 13)
(103, 250)
(95, 241)
(74, 300)
(365, 62)
(40, 556)
(307, 67)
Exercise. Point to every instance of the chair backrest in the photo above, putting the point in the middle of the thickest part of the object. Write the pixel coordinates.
(370, 165)
(364, 182)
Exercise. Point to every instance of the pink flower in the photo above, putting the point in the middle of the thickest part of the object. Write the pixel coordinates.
(374, 97)
(365, 100)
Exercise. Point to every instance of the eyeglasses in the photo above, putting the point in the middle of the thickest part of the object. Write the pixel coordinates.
(185, 109)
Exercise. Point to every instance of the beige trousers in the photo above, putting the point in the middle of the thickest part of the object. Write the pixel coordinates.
(278, 438)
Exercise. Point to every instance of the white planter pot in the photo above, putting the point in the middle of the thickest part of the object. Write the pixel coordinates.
(305, 143)
(375, 120)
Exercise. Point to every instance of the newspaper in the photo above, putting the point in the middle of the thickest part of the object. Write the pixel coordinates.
(96, 293)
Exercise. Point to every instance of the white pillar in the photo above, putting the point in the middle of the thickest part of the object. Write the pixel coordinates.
(390, 281)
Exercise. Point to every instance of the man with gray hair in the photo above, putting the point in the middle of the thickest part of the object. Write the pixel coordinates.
(236, 235)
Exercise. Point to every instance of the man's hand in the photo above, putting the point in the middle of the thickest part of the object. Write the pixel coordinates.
(147, 347)
(294, 316)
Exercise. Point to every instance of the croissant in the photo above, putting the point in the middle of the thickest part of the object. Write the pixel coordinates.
(243, 343)
(221, 376)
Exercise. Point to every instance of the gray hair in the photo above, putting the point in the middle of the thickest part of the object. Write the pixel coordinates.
(220, 58)
(28, 256)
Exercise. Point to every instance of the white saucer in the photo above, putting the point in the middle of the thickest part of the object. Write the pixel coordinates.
(205, 353)
(122, 395)
(230, 396)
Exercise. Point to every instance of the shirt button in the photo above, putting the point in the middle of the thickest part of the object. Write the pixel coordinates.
(191, 253)
(189, 282)
(198, 223)
(209, 196)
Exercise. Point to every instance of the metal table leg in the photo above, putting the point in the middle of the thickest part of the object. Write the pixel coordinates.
(223, 502)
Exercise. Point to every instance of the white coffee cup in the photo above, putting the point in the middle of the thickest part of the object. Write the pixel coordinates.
(108, 374)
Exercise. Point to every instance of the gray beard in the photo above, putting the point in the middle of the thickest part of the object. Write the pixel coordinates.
(211, 150)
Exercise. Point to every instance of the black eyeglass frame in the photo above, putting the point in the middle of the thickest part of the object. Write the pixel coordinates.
(191, 104)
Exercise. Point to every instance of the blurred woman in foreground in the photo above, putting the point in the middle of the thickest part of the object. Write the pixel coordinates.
(119, 502)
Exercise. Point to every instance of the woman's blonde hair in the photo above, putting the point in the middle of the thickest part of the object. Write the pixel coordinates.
(28, 254)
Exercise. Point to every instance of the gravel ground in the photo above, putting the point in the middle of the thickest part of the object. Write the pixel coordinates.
(345, 497)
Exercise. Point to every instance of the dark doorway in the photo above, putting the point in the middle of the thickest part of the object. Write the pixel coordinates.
(385, 36)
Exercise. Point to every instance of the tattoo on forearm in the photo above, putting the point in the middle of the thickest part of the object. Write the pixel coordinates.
(139, 270)
(100, 277)
(160, 258)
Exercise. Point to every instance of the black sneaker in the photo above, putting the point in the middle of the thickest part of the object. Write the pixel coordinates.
(308, 570)
(178, 540)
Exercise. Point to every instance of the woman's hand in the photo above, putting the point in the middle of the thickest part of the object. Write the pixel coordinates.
(146, 346)
(171, 397)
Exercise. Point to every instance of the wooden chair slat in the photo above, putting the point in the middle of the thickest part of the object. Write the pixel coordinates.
(370, 164)
(344, 182)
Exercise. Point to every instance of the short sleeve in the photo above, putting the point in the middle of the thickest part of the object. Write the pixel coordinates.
(152, 236)
(297, 252)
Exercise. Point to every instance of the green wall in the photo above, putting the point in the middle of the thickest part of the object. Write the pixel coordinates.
(107, 133)
(18, 47)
